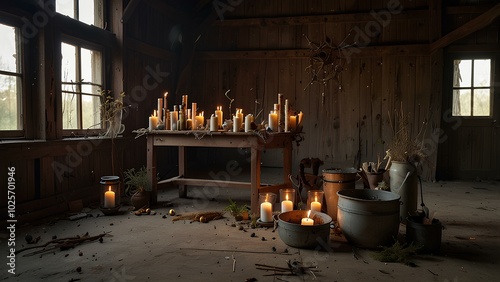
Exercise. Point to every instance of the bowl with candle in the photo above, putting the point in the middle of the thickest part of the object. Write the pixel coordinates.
(304, 229)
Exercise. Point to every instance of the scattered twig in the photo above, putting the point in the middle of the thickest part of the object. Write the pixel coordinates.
(234, 261)
(62, 244)
(435, 274)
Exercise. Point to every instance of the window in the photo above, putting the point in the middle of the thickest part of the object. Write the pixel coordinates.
(86, 11)
(472, 88)
(81, 80)
(11, 110)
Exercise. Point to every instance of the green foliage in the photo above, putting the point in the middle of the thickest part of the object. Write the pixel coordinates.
(395, 253)
(136, 179)
(235, 209)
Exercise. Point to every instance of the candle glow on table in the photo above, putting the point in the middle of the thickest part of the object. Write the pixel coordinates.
(109, 199)
(286, 205)
(306, 221)
(315, 205)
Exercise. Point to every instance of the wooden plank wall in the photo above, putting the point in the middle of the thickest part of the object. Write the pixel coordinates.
(346, 123)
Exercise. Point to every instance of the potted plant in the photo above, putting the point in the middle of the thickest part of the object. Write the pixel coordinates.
(136, 186)
(240, 212)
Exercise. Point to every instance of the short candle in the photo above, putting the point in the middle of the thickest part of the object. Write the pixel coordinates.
(286, 205)
(306, 221)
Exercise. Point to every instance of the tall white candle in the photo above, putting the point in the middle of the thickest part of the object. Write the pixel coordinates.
(214, 123)
(287, 120)
(266, 212)
(109, 199)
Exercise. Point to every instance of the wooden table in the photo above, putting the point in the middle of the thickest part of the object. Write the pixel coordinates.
(256, 142)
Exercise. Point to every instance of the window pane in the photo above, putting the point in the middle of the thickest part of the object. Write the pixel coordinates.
(9, 59)
(66, 7)
(69, 108)
(90, 111)
(462, 73)
(482, 73)
(86, 11)
(481, 102)
(10, 103)
(91, 70)
(461, 102)
(68, 65)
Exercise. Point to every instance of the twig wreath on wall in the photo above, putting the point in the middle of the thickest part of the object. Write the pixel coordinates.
(326, 61)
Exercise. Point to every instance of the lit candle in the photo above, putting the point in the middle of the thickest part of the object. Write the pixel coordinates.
(301, 116)
(236, 123)
(315, 205)
(307, 221)
(248, 122)
(273, 121)
(279, 110)
(214, 124)
(153, 121)
(165, 103)
(109, 199)
(286, 205)
(293, 123)
(266, 212)
(220, 116)
(239, 114)
(199, 121)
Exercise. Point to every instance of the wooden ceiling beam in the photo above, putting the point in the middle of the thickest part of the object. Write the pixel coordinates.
(329, 18)
(471, 26)
(354, 52)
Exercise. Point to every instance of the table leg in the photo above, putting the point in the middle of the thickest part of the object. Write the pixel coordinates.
(255, 179)
(182, 171)
(151, 170)
(287, 162)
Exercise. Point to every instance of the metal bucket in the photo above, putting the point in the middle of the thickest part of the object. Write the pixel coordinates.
(335, 180)
(295, 235)
(425, 236)
(368, 218)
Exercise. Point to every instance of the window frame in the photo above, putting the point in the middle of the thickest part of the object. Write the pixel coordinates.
(81, 43)
(23, 49)
(472, 87)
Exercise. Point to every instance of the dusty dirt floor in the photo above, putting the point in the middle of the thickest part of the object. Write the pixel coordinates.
(154, 248)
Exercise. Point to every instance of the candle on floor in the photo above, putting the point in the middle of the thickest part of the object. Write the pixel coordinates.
(266, 212)
(286, 205)
(315, 205)
(307, 221)
(109, 199)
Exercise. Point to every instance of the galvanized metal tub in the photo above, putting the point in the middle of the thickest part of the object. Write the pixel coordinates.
(295, 235)
(369, 218)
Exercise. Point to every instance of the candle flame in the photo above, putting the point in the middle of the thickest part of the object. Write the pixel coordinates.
(287, 197)
(166, 94)
(202, 113)
(316, 198)
(308, 213)
(109, 188)
(154, 113)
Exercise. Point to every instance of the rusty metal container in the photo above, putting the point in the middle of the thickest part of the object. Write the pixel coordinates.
(296, 235)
